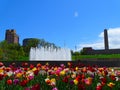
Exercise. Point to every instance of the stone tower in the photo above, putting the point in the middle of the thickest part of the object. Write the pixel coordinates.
(11, 36)
(106, 39)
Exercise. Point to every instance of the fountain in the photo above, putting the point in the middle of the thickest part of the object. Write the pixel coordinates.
(50, 54)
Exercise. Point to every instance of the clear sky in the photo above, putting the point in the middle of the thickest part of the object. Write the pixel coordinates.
(63, 22)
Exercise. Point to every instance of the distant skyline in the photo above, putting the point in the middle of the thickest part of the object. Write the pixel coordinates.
(69, 23)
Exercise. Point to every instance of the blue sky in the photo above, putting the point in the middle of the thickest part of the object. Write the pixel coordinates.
(63, 22)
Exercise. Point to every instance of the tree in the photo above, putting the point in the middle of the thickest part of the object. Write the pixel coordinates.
(1, 54)
(4, 49)
(10, 51)
(30, 43)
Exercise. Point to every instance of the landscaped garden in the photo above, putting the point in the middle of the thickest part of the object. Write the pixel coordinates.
(58, 77)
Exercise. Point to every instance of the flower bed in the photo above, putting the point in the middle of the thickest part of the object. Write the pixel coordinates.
(53, 77)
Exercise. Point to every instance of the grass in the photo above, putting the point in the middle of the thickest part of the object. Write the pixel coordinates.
(95, 56)
(78, 57)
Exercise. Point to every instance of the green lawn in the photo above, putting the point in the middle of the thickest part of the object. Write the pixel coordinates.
(95, 56)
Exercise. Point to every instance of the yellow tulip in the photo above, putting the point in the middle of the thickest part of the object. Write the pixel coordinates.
(111, 84)
(62, 73)
(76, 68)
(1, 70)
(18, 75)
(75, 81)
(34, 69)
(53, 80)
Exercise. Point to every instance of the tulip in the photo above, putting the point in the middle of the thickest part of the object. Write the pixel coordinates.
(1, 76)
(88, 81)
(55, 88)
(62, 65)
(75, 81)
(24, 83)
(47, 80)
(10, 73)
(35, 87)
(112, 77)
(81, 87)
(18, 75)
(118, 73)
(16, 81)
(27, 88)
(53, 82)
(36, 72)
(110, 84)
(65, 79)
(7, 69)
(73, 75)
(57, 72)
(76, 68)
(104, 80)
(9, 81)
(31, 66)
(83, 76)
(38, 65)
(69, 64)
(78, 77)
(30, 77)
(1, 70)
(84, 69)
(62, 73)
(99, 87)
(1, 64)
(71, 82)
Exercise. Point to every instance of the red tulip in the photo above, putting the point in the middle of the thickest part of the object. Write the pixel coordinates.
(1, 76)
(9, 81)
(99, 87)
(83, 76)
(24, 82)
(25, 69)
(36, 72)
(113, 77)
(105, 72)
(81, 87)
(24, 64)
(65, 79)
(31, 66)
(104, 80)
(36, 87)
(78, 77)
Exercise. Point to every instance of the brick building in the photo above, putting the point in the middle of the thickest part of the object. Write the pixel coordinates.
(11, 36)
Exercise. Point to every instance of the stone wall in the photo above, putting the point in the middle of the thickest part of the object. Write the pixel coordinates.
(112, 62)
(109, 51)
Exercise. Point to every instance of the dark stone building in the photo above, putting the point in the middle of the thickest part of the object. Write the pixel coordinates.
(25, 41)
(11, 36)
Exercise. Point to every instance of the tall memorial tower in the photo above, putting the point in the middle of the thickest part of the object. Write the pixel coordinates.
(106, 39)
(11, 36)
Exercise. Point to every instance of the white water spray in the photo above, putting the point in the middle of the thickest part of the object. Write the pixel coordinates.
(50, 54)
